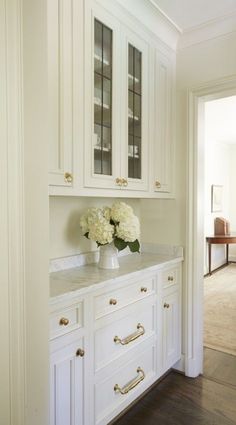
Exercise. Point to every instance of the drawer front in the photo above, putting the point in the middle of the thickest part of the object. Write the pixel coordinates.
(115, 393)
(66, 319)
(118, 337)
(114, 300)
(171, 277)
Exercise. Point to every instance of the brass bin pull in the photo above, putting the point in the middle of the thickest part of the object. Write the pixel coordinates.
(132, 384)
(132, 337)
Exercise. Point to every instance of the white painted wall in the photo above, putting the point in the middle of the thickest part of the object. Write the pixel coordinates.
(65, 234)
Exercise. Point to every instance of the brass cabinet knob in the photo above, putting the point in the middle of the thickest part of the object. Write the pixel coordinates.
(80, 352)
(119, 181)
(170, 278)
(113, 301)
(166, 305)
(64, 321)
(68, 177)
(143, 289)
(157, 184)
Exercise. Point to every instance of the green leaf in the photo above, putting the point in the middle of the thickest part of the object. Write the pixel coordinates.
(86, 235)
(134, 246)
(120, 244)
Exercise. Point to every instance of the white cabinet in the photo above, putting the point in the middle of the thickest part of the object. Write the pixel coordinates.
(111, 103)
(67, 383)
(171, 329)
(112, 344)
(116, 103)
(171, 315)
(60, 92)
(164, 120)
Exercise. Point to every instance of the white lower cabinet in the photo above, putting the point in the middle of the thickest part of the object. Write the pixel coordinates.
(67, 384)
(171, 330)
(115, 343)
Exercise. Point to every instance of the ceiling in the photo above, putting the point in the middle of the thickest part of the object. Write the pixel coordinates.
(220, 120)
(188, 14)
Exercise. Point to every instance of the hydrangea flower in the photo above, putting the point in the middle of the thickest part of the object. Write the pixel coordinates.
(118, 224)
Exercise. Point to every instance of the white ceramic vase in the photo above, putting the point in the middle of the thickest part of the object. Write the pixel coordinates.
(108, 258)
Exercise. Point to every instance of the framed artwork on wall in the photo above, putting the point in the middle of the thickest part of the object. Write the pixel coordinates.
(216, 198)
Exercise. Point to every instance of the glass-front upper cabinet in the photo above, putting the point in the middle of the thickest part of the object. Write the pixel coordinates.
(102, 84)
(135, 114)
(102, 99)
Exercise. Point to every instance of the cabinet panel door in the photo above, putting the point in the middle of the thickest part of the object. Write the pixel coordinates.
(163, 123)
(171, 330)
(102, 76)
(66, 386)
(60, 92)
(135, 111)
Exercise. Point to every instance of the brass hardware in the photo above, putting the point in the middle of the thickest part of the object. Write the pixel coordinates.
(80, 352)
(119, 181)
(64, 321)
(124, 182)
(166, 305)
(113, 301)
(131, 384)
(157, 184)
(130, 337)
(170, 278)
(68, 177)
(143, 289)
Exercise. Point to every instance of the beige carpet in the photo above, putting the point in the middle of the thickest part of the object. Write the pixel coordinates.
(220, 310)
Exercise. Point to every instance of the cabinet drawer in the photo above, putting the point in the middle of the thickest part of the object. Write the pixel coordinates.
(133, 291)
(115, 339)
(131, 380)
(170, 276)
(66, 319)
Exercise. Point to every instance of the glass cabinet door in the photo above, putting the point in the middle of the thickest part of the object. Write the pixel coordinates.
(134, 113)
(102, 147)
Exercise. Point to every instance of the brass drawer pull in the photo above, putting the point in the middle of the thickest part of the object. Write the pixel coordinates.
(166, 305)
(113, 301)
(80, 352)
(143, 289)
(68, 177)
(131, 337)
(131, 384)
(170, 278)
(64, 321)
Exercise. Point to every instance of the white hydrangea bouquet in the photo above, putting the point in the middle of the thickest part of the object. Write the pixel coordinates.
(117, 223)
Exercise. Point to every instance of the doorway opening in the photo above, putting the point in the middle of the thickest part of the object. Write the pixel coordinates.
(220, 225)
(195, 253)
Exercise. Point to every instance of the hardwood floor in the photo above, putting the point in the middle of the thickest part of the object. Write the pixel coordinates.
(177, 400)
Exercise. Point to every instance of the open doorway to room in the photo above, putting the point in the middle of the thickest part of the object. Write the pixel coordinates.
(220, 236)
(220, 222)
(193, 300)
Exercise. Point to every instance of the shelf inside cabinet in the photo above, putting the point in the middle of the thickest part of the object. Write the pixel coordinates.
(98, 102)
(100, 148)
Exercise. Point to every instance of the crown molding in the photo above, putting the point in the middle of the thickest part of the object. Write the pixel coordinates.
(150, 16)
(209, 30)
(166, 16)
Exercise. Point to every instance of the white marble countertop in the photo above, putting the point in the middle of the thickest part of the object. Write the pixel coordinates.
(78, 281)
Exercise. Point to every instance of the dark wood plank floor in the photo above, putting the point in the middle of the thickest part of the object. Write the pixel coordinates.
(177, 400)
